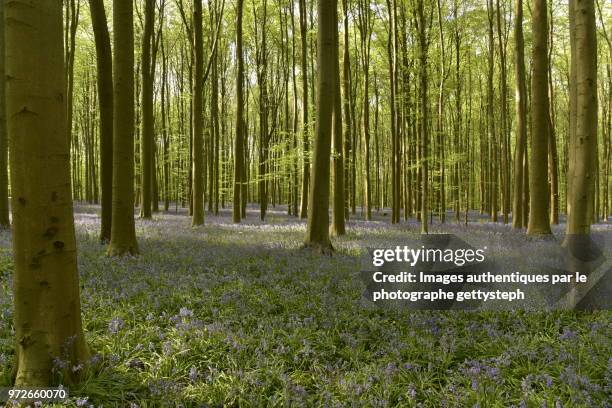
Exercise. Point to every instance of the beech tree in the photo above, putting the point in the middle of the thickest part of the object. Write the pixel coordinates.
(146, 104)
(521, 117)
(239, 137)
(338, 222)
(583, 134)
(305, 124)
(4, 194)
(123, 232)
(197, 106)
(317, 235)
(104, 61)
(538, 177)
(47, 315)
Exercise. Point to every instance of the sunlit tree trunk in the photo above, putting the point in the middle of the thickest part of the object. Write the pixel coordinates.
(4, 193)
(239, 137)
(503, 134)
(538, 180)
(493, 187)
(73, 8)
(123, 232)
(146, 142)
(424, 134)
(521, 116)
(305, 125)
(346, 86)
(105, 99)
(583, 139)
(395, 153)
(338, 224)
(197, 106)
(317, 235)
(47, 317)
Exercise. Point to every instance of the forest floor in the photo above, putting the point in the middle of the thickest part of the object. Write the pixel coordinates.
(239, 315)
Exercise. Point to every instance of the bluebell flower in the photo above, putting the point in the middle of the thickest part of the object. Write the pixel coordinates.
(115, 325)
(193, 374)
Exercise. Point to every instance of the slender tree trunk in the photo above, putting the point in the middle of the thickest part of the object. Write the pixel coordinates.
(165, 116)
(105, 99)
(317, 235)
(521, 117)
(552, 139)
(4, 190)
(395, 153)
(305, 124)
(73, 11)
(538, 180)
(46, 279)
(123, 232)
(346, 84)
(493, 190)
(338, 225)
(239, 137)
(505, 176)
(441, 201)
(424, 136)
(197, 112)
(583, 139)
(146, 142)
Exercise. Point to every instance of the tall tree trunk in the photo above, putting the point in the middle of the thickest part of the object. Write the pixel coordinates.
(305, 124)
(4, 191)
(583, 139)
(146, 142)
(72, 22)
(123, 232)
(521, 117)
(47, 316)
(346, 84)
(104, 62)
(198, 129)
(538, 180)
(493, 190)
(239, 137)
(165, 116)
(317, 235)
(262, 72)
(395, 153)
(441, 201)
(424, 134)
(338, 224)
(505, 174)
(365, 26)
(216, 137)
(552, 139)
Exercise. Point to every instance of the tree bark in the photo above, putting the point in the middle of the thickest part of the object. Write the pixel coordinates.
(123, 232)
(239, 137)
(521, 117)
(317, 235)
(538, 181)
(198, 129)
(305, 125)
(424, 134)
(583, 139)
(46, 282)
(4, 190)
(338, 224)
(146, 103)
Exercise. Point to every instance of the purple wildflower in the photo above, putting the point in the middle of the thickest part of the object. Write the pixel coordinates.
(115, 325)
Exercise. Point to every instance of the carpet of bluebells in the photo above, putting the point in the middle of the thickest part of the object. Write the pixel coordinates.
(239, 315)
